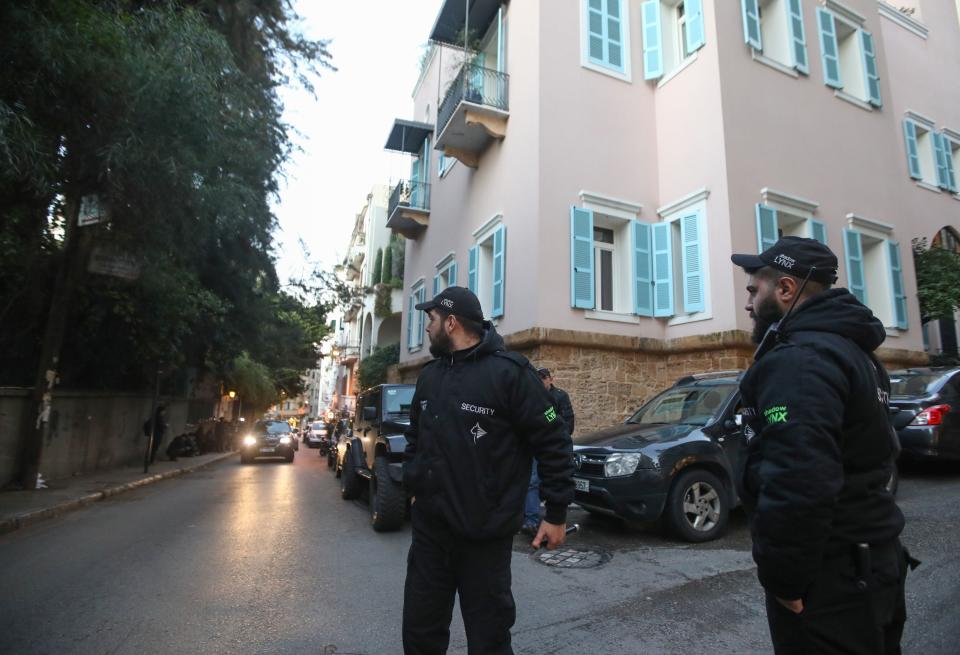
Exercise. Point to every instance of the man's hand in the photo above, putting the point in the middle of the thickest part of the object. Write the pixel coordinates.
(550, 535)
(795, 606)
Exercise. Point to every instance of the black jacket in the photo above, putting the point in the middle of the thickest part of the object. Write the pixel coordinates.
(476, 419)
(561, 400)
(821, 446)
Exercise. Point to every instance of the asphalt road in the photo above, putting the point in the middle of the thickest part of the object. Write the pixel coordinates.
(268, 559)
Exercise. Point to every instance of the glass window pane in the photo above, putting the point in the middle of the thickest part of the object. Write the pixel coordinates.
(606, 280)
(614, 57)
(596, 47)
(596, 23)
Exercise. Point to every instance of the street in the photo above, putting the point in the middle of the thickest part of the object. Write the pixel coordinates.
(267, 558)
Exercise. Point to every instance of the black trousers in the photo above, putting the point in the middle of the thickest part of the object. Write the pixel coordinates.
(855, 607)
(441, 565)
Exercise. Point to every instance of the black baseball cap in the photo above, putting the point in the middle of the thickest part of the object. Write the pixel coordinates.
(794, 256)
(544, 372)
(458, 301)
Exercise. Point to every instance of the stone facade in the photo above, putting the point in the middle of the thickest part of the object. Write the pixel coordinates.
(609, 376)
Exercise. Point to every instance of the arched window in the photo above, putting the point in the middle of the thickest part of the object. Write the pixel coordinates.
(948, 239)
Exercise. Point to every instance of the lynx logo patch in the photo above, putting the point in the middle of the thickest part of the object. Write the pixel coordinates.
(550, 415)
(477, 432)
(776, 414)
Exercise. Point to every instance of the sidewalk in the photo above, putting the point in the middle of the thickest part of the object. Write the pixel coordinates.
(19, 509)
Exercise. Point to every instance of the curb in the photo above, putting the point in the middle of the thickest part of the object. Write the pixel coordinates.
(29, 518)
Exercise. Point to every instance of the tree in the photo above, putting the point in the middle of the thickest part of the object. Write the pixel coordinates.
(387, 265)
(938, 281)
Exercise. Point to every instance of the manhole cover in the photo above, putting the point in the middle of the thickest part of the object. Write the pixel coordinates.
(572, 558)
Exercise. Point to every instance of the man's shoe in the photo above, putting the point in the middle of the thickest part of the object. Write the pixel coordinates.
(530, 530)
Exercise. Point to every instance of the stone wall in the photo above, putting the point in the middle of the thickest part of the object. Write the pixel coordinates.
(608, 377)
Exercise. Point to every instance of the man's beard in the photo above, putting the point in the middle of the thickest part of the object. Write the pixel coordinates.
(440, 345)
(765, 314)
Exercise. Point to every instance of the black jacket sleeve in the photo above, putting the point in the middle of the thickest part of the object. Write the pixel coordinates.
(800, 396)
(565, 407)
(412, 435)
(538, 421)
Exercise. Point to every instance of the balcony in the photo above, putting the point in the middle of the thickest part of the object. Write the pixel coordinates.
(473, 112)
(408, 212)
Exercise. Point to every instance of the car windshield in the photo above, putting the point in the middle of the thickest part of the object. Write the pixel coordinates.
(316, 426)
(685, 405)
(397, 400)
(914, 383)
(274, 427)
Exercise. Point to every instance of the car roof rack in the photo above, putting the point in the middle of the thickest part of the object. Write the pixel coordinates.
(697, 377)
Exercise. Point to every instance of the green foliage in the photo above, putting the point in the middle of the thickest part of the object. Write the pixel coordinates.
(373, 368)
(382, 306)
(253, 381)
(168, 111)
(378, 266)
(938, 280)
(387, 266)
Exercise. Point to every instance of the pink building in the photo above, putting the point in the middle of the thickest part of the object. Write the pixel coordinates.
(589, 165)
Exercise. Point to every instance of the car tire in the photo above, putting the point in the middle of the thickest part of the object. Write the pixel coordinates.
(697, 507)
(350, 482)
(289, 457)
(387, 502)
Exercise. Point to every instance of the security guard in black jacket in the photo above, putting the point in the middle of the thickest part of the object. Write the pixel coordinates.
(478, 415)
(820, 455)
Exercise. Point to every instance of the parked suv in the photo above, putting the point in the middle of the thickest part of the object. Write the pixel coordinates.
(674, 459)
(373, 454)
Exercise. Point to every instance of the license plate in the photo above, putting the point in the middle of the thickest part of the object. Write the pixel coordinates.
(581, 484)
(268, 450)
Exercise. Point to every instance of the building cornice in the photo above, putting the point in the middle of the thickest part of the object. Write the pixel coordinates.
(928, 123)
(770, 195)
(686, 201)
(590, 197)
(909, 23)
(844, 11)
(862, 222)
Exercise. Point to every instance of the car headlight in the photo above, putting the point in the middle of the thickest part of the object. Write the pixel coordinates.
(620, 464)
(284, 440)
(249, 440)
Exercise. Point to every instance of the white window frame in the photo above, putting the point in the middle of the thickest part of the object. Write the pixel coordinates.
(419, 316)
(483, 239)
(672, 213)
(673, 45)
(953, 143)
(616, 214)
(926, 153)
(625, 23)
(851, 20)
(876, 272)
(799, 212)
(443, 270)
(783, 58)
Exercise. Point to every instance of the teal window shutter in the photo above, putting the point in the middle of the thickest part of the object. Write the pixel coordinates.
(652, 40)
(472, 268)
(436, 284)
(693, 10)
(768, 229)
(751, 24)
(421, 315)
(642, 275)
(453, 274)
(499, 243)
(818, 231)
(854, 255)
(870, 68)
(581, 258)
(829, 51)
(662, 270)
(411, 319)
(798, 37)
(595, 37)
(951, 172)
(899, 296)
(941, 148)
(691, 259)
(605, 33)
(913, 157)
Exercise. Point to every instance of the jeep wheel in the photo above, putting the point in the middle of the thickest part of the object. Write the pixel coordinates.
(387, 502)
(349, 480)
(331, 459)
(697, 508)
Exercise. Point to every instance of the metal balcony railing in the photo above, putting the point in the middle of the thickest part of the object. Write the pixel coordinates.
(409, 193)
(476, 84)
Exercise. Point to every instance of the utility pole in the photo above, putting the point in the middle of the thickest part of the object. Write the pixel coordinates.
(153, 420)
(76, 249)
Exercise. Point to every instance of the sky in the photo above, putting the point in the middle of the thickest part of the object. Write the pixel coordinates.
(375, 46)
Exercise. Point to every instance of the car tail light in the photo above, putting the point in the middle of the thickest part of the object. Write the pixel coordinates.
(931, 415)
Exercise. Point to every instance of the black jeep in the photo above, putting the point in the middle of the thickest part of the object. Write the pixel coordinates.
(373, 454)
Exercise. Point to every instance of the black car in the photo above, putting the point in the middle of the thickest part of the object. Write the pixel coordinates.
(674, 459)
(925, 409)
(371, 455)
(267, 439)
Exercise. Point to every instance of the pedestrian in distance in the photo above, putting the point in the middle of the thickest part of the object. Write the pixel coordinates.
(477, 416)
(531, 504)
(820, 455)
